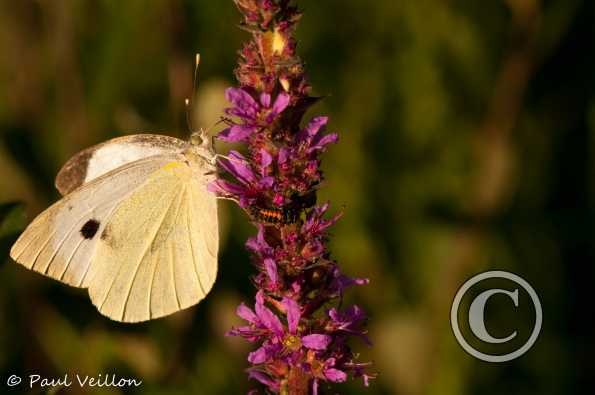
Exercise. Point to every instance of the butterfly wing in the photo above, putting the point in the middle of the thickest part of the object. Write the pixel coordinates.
(158, 252)
(112, 154)
(61, 241)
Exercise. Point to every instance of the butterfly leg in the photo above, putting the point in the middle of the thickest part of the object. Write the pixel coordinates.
(228, 198)
(213, 160)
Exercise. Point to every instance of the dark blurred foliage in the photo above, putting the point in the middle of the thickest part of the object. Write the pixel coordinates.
(467, 137)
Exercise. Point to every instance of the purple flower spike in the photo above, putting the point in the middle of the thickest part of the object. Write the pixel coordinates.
(249, 185)
(252, 115)
(300, 336)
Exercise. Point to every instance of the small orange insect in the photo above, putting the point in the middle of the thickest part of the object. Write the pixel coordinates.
(275, 215)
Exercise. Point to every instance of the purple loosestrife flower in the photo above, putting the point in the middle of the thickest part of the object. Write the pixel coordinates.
(248, 186)
(301, 337)
(283, 343)
(253, 115)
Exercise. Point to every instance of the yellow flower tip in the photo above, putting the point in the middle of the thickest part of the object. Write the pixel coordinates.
(292, 343)
(284, 83)
(279, 42)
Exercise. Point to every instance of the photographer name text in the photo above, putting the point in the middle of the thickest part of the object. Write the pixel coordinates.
(68, 380)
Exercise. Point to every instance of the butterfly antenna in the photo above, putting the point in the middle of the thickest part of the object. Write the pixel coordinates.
(188, 119)
(195, 81)
(190, 101)
(208, 131)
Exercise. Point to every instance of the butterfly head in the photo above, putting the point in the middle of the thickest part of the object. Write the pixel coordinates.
(201, 138)
(201, 146)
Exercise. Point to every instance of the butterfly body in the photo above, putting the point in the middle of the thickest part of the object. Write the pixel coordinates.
(136, 227)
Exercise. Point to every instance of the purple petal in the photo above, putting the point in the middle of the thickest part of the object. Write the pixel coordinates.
(281, 103)
(260, 298)
(322, 209)
(271, 269)
(263, 378)
(253, 245)
(265, 99)
(260, 237)
(312, 249)
(335, 315)
(296, 287)
(246, 332)
(293, 314)
(355, 313)
(258, 244)
(225, 188)
(312, 129)
(239, 169)
(236, 112)
(266, 158)
(315, 125)
(235, 155)
(246, 201)
(332, 221)
(242, 99)
(316, 224)
(278, 200)
(343, 281)
(236, 133)
(349, 321)
(267, 317)
(266, 182)
(316, 214)
(283, 155)
(316, 341)
(258, 356)
(315, 387)
(246, 313)
(323, 142)
(366, 380)
(335, 375)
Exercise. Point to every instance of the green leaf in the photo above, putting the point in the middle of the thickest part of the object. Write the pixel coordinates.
(12, 222)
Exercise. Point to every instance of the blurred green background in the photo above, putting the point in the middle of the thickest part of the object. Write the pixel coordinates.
(467, 144)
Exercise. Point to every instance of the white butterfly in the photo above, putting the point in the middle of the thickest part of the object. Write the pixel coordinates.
(136, 226)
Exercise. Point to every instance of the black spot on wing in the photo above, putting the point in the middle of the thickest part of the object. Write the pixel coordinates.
(90, 228)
